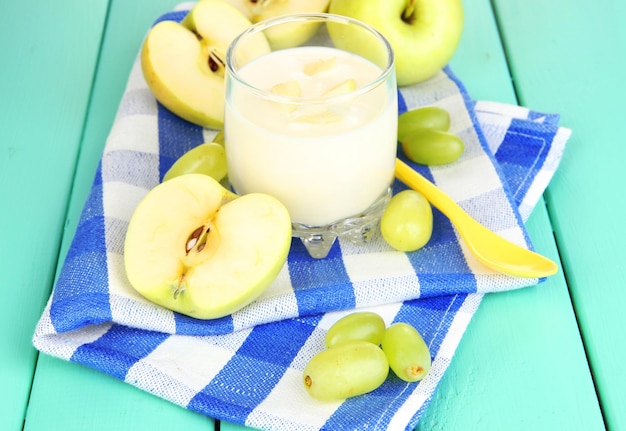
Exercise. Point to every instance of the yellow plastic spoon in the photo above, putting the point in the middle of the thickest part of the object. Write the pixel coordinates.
(490, 248)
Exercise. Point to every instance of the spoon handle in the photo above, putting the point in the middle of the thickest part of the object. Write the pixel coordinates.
(431, 192)
(494, 251)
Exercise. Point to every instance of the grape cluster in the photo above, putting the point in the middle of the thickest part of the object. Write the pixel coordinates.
(425, 139)
(407, 223)
(359, 352)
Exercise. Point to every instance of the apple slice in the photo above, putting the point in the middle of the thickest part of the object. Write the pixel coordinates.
(183, 64)
(291, 88)
(344, 87)
(287, 35)
(194, 247)
(328, 116)
(321, 117)
(319, 66)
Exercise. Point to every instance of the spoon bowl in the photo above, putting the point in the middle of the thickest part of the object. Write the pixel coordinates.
(489, 248)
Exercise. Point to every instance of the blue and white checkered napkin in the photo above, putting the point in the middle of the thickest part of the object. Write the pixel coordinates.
(246, 368)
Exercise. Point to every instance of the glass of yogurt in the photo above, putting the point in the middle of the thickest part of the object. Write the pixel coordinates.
(314, 123)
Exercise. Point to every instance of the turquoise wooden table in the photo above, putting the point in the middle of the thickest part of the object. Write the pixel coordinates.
(542, 358)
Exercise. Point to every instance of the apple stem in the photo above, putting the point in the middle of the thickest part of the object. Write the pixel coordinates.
(407, 15)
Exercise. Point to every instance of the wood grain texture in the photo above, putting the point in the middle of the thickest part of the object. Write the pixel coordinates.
(521, 345)
(70, 397)
(570, 58)
(45, 83)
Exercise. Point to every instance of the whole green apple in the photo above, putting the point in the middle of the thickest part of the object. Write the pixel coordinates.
(424, 34)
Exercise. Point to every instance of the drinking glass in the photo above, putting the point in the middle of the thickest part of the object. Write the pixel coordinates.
(313, 121)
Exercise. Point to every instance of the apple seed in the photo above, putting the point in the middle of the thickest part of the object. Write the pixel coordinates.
(215, 57)
(216, 64)
(198, 239)
(203, 240)
(193, 239)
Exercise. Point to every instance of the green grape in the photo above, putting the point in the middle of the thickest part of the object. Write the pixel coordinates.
(208, 159)
(347, 370)
(432, 147)
(407, 222)
(359, 326)
(219, 138)
(430, 117)
(408, 354)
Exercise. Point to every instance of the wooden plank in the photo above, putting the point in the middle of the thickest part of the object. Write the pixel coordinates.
(513, 368)
(68, 396)
(570, 58)
(72, 397)
(49, 54)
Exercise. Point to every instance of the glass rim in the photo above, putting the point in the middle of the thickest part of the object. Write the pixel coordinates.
(309, 17)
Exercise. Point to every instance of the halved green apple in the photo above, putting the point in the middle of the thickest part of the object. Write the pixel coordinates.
(194, 247)
(286, 35)
(183, 63)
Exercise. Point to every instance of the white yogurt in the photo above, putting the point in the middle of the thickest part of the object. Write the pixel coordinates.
(322, 170)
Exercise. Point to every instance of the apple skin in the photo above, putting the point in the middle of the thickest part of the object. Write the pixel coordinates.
(175, 60)
(286, 35)
(213, 275)
(423, 46)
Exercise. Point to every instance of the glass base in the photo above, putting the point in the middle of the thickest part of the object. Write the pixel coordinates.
(358, 229)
